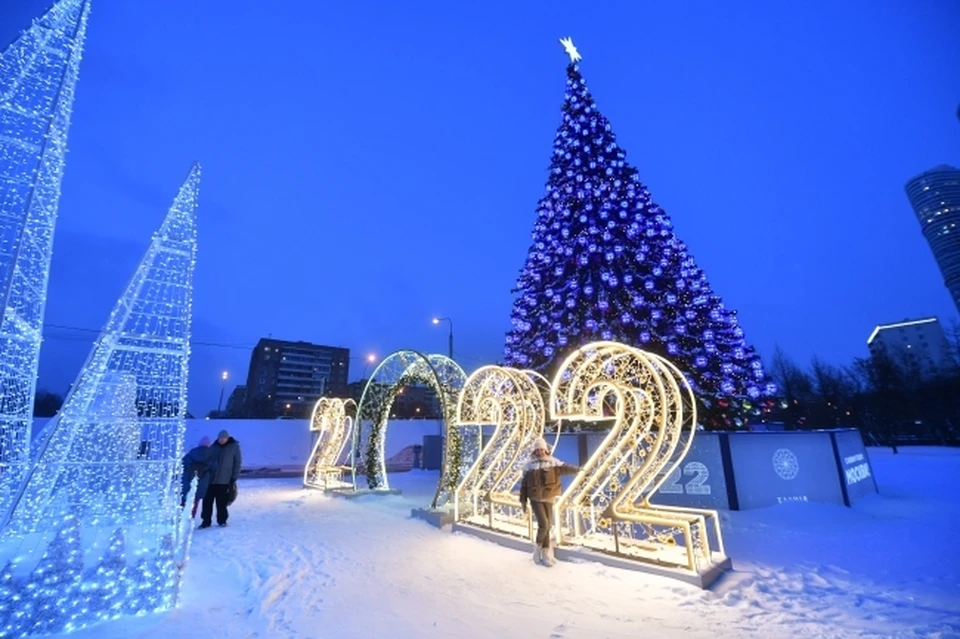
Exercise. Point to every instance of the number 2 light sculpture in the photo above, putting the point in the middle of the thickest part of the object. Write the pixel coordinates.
(510, 401)
(607, 506)
(333, 420)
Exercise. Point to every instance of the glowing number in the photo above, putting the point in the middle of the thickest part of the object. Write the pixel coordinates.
(607, 506)
(333, 421)
(698, 485)
(509, 400)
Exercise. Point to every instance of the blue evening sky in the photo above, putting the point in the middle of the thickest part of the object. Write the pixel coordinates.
(368, 165)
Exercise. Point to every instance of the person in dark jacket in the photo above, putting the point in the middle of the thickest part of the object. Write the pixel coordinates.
(224, 460)
(541, 487)
(195, 465)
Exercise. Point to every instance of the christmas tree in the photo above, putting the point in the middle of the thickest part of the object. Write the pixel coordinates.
(605, 263)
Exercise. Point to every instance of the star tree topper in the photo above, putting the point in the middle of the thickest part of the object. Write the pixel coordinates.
(570, 49)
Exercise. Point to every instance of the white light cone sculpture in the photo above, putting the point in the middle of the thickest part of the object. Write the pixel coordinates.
(38, 75)
(96, 530)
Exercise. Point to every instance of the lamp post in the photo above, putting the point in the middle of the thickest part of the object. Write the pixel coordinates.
(223, 386)
(437, 320)
(369, 359)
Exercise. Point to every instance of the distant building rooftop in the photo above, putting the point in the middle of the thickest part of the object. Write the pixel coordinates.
(902, 324)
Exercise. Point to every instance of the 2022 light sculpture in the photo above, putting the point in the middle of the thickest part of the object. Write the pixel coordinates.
(396, 371)
(333, 421)
(96, 530)
(512, 402)
(607, 507)
(38, 75)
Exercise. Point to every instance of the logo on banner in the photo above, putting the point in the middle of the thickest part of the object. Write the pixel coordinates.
(785, 464)
(858, 469)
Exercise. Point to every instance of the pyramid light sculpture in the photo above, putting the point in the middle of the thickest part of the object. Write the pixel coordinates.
(38, 76)
(109, 470)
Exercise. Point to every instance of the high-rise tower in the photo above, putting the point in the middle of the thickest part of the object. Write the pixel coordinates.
(935, 198)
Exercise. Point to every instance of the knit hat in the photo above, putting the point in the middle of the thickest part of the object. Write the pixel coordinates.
(204, 441)
(540, 444)
(223, 434)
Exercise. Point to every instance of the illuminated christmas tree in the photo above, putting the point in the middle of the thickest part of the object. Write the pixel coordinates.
(605, 263)
(38, 73)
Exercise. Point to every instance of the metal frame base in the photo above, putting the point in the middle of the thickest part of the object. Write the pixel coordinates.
(702, 580)
(435, 517)
(349, 493)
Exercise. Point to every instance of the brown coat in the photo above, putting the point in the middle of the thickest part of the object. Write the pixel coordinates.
(541, 480)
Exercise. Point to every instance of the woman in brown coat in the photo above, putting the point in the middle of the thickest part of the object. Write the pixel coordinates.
(541, 487)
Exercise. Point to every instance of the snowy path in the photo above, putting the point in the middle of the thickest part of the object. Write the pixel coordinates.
(294, 563)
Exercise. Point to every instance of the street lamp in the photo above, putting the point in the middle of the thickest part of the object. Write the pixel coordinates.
(369, 359)
(223, 386)
(437, 320)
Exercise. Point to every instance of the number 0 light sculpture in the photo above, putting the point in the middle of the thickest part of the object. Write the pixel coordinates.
(333, 421)
(607, 507)
(509, 400)
(396, 371)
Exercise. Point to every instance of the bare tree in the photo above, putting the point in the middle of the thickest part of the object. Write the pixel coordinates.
(832, 393)
(795, 387)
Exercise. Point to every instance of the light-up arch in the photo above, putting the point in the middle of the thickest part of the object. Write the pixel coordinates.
(333, 421)
(511, 401)
(397, 370)
(607, 507)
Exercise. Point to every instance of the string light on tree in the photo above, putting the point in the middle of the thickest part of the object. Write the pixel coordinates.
(111, 463)
(606, 264)
(38, 76)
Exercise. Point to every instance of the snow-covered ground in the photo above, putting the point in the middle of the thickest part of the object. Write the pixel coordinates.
(294, 563)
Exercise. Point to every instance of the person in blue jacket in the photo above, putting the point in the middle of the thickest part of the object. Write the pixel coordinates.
(195, 465)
